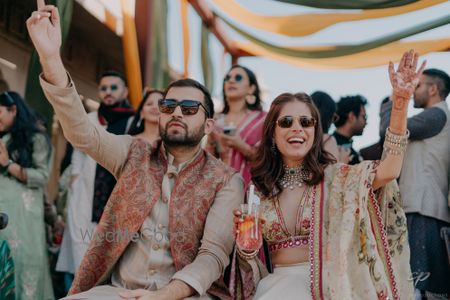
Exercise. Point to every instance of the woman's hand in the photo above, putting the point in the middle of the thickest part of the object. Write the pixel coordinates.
(404, 80)
(237, 219)
(236, 142)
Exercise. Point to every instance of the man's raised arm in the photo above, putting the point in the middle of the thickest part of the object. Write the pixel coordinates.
(107, 149)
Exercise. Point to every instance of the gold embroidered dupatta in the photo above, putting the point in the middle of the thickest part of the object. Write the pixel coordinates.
(359, 244)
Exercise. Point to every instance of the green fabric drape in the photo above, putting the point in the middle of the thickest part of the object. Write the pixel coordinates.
(303, 24)
(160, 56)
(207, 64)
(7, 282)
(34, 95)
(341, 50)
(349, 4)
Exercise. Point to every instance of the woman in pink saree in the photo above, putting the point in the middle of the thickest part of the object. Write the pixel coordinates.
(333, 231)
(239, 126)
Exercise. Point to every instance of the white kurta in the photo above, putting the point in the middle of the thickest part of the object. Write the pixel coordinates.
(79, 227)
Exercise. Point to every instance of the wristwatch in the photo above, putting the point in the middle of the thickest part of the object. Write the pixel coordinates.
(4, 169)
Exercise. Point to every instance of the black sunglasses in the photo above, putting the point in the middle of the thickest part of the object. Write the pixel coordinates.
(188, 107)
(8, 99)
(237, 77)
(288, 121)
(112, 87)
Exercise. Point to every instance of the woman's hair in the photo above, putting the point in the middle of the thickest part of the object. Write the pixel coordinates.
(134, 128)
(22, 131)
(327, 109)
(268, 166)
(252, 80)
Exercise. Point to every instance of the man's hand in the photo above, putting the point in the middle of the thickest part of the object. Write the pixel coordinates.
(45, 30)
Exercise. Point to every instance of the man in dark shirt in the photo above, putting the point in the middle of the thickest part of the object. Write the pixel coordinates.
(352, 121)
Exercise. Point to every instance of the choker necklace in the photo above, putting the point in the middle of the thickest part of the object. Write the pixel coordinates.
(294, 176)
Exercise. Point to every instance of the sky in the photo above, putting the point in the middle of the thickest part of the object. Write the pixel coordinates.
(277, 77)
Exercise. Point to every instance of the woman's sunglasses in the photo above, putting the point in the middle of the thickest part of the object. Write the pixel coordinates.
(288, 121)
(237, 77)
(188, 107)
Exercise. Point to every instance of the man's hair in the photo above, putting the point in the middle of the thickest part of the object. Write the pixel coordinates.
(441, 79)
(327, 108)
(347, 105)
(113, 73)
(209, 104)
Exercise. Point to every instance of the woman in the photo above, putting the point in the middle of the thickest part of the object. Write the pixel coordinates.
(24, 166)
(239, 126)
(325, 223)
(145, 123)
(327, 110)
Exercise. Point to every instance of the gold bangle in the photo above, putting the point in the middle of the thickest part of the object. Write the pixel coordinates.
(396, 138)
(247, 256)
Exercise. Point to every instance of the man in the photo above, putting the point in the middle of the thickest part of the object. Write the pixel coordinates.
(351, 122)
(374, 151)
(91, 183)
(424, 182)
(167, 229)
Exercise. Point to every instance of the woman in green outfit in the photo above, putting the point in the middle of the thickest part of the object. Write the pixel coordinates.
(24, 166)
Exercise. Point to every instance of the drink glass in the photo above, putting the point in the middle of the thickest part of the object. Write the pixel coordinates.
(249, 236)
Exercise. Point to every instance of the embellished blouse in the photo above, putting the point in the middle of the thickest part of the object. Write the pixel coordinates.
(274, 229)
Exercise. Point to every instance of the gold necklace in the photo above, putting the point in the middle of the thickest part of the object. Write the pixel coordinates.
(294, 176)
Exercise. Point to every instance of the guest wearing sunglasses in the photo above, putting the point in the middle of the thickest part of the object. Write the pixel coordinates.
(239, 126)
(91, 183)
(24, 167)
(333, 231)
(142, 248)
(146, 119)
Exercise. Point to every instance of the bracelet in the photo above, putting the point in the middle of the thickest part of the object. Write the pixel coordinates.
(395, 138)
(247, 255)
(395, 144)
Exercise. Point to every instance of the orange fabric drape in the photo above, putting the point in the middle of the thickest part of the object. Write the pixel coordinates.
(131, 55)
(186, 36)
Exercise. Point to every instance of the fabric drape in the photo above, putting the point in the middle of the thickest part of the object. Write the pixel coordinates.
(305, 24)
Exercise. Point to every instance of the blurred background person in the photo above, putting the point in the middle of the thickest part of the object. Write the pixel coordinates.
(374, 151)
(25, 152)
(146, 119)
(327, 109)
(239, 126)
(424, 183)
(352, 120)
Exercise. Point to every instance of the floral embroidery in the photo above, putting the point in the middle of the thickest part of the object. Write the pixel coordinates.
(28, 199)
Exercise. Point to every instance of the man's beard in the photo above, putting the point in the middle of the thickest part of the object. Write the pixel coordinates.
(418, 103)
(358, 132)
(188, 139)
